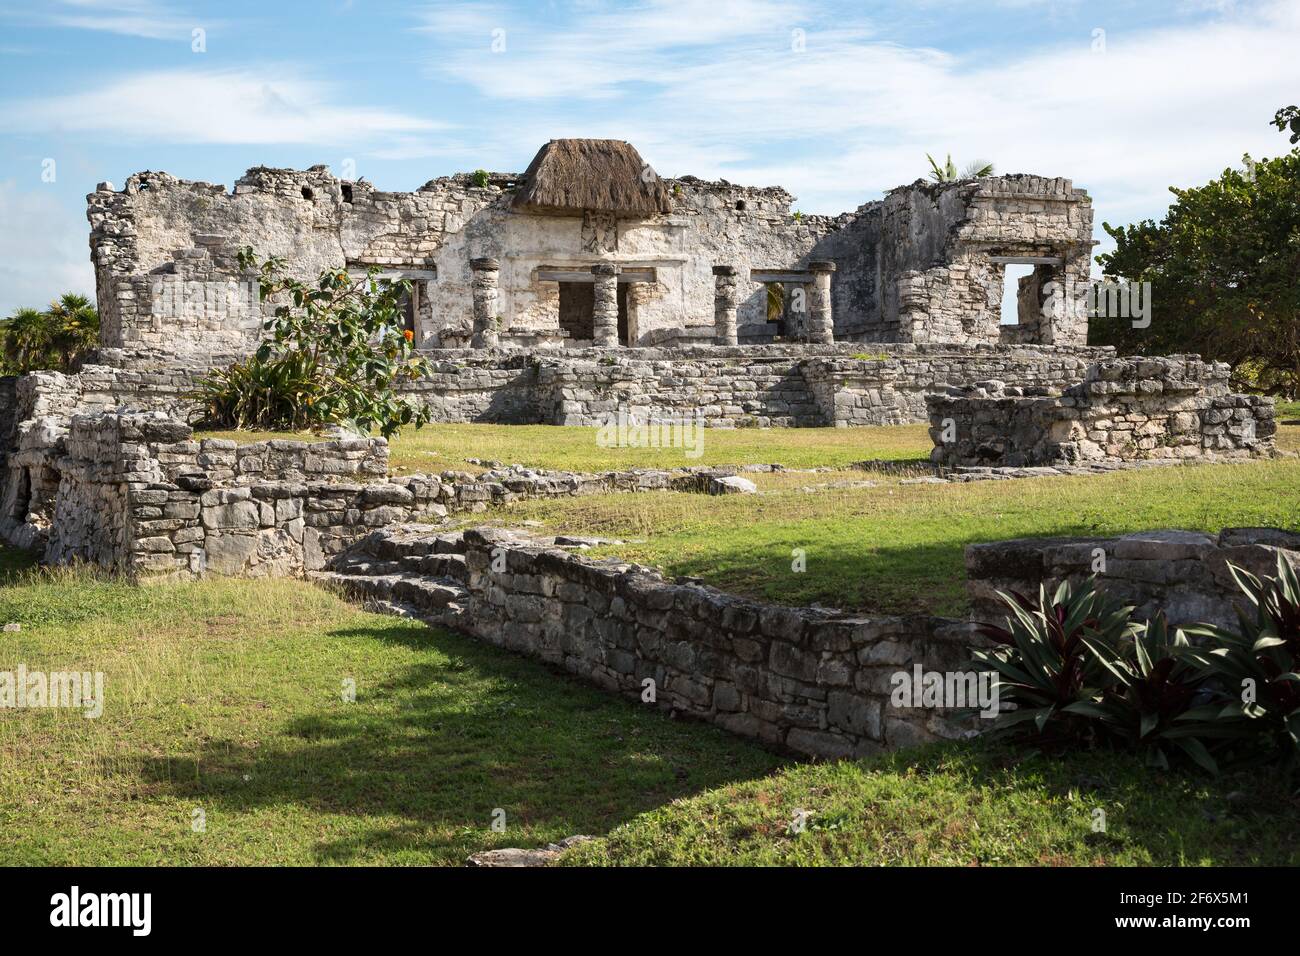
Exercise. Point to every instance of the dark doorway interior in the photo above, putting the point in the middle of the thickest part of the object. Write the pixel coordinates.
(622, 313)
(577, 309)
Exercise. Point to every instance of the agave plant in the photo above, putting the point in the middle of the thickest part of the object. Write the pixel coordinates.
(1258, 669)
(1046, 663)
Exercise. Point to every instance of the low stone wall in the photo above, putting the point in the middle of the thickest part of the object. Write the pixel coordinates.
(1183, 573)
(134, 493)
(844, 383)
(812, 681)
(1124, 409)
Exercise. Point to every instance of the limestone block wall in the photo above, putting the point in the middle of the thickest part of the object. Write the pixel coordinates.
(138, 496)
(912, 267)
(939, 281)
(1183, 573)
(813, 681)
(1124, 409)
(135, 494)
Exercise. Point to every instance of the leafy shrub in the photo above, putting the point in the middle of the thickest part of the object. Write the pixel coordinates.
(1078, 671)
(334, 356)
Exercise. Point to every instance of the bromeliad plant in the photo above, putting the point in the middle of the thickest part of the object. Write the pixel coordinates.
(1047, 666)
(1258, 669)
(1078, 671)
(1149, 705)
(334, 355)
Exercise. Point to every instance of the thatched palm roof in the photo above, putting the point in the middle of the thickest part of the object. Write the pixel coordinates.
(569, 176)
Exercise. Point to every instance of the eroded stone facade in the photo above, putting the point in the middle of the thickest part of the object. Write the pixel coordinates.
(924, 264)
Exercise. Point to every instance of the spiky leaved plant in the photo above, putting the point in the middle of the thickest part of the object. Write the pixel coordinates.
(1045, 665)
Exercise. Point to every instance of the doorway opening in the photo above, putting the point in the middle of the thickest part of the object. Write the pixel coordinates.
(578, 309)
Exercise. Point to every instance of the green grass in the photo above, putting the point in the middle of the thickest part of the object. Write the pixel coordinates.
(967, 805)
(226, 696)
(899, 548)
(441, 447)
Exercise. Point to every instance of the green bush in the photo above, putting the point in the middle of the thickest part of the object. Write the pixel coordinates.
(1078, 671)
(334, 356)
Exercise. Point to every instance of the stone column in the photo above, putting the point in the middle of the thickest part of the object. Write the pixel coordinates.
(605, 314)
(821, 325)
(724, 305)
(484, 274)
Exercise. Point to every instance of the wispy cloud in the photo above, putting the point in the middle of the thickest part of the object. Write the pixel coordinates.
(139, 18)
(722, 90)
(268, 105)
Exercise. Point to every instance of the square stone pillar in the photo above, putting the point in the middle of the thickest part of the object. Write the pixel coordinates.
(724, 305)
(484, 273)
(821, 324)
(605, 311)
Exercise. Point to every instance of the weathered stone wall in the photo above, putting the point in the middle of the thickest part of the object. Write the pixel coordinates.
(911, 268)
(1183, 573)
(812, 681)
(939, 282)
(734, 387)
(772, 385)
(1125, 409)
(134, 493)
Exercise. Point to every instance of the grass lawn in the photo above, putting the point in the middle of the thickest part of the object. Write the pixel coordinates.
(899, 548)
(226, 696)
(966, 805)
(441, 447)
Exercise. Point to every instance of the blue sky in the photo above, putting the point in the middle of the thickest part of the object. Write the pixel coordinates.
(835, 101)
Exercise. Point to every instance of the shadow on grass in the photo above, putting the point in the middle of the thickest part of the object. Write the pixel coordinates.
(429, 754)
(13, 563)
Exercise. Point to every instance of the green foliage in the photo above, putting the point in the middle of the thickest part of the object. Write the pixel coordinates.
(480, 178)
(1079, 671)
(1222, 264)
(1258, 668)
(775, 300)
(335, 353)
(56, 338)
(1045, 662)
(1288, 117)
(947, 173)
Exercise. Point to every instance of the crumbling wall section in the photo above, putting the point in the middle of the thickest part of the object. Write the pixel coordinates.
(808, 680)
(1185, 574)
(1125, 409)
(940, 282)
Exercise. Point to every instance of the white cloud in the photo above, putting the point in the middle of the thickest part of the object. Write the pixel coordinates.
(854, 114)
(43, 249)
(213, 106)
(140, 18)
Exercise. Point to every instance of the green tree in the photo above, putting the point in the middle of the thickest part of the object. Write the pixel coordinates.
(948, 173)
(334, 355)
(56, 338)
(75, 327)
(1223, 267)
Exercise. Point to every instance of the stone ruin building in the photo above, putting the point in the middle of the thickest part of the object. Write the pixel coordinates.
(589, 247)
(585, 286)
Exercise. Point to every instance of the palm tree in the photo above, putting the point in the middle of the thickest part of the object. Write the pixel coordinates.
(53, 339)
(947, 173)
(26, 339)
(75, 327)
